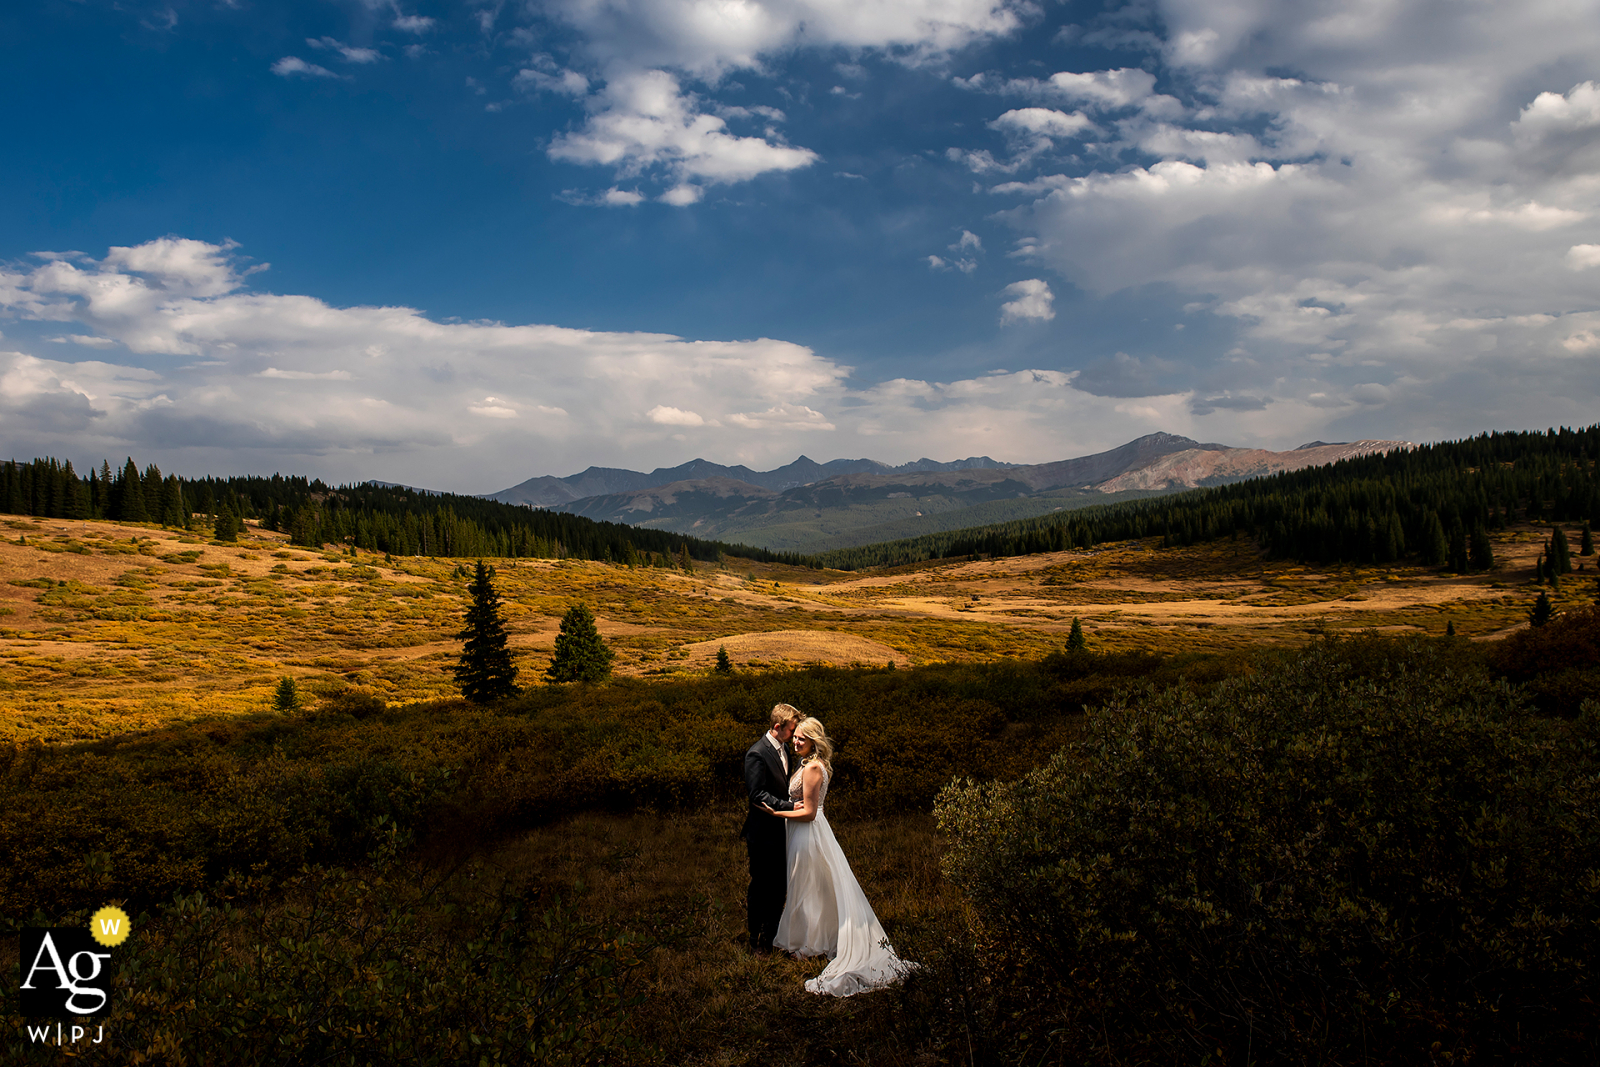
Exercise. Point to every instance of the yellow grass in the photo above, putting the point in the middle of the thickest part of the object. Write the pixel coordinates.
(109, 627)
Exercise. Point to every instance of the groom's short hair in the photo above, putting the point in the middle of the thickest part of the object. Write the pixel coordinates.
(782, 713)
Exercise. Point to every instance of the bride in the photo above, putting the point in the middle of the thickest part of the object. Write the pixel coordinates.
(827, 914)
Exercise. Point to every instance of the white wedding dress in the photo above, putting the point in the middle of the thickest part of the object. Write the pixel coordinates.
(827, 914)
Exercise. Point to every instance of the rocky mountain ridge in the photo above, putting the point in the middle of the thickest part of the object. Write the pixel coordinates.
(807, 506)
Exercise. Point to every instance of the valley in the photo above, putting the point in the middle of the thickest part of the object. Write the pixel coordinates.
(109, 627)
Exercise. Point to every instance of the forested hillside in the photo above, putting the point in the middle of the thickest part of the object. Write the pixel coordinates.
(1434, 503)
(378, 518)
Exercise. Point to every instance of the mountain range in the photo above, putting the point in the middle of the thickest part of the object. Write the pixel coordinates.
(810, 507)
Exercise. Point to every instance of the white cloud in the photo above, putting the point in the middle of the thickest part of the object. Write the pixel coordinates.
(565, 82)
(491, 408)
(665, 416)
(305, 375)
(1582, 257)
(646, 121)
(1032, 299)
(784, 417)
(289, 66)
(85, 340)
(709, 38)
(413, 23)
(682, 195)
(289, 382)
(640, 49)
(350, 53)
(1420, 197)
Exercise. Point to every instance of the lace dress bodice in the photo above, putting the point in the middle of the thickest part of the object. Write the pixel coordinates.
(797, 790)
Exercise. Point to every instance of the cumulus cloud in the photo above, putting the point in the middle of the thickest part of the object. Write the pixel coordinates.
(1419, 197)
(418, 24)
(1031, 299)
(219, 376)
(1582, 257)
(645, 120)
(666, 416)
(643, 49)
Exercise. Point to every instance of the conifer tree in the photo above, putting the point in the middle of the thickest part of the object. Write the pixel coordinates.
(1076, 642)
(683, 558)
(227, 526)
(1541, 611)
(1458, 550)
(1450, 629)
(724, 664)
(1480, 552)
(485, 673)
(1586, 542)
(1435, 548)
(130, 503)
(581, 653)
(1560, 552)
(286, 697)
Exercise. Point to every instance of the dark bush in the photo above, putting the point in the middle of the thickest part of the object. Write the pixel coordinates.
(1345, 857)
(1560, 661)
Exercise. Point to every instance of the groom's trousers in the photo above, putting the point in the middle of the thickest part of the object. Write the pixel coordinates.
(769, 881)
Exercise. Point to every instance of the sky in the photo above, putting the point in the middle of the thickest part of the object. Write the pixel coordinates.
(462, 243)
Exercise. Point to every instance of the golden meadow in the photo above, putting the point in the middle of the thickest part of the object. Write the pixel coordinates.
(390, 875)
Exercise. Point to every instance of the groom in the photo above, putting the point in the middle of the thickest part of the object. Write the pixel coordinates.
(767, 766)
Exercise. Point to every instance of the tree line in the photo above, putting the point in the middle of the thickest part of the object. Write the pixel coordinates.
(1434, 503)
(377, 518)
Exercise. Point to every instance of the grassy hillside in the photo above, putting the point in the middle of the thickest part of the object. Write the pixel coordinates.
(1364, 848)
(106, 627)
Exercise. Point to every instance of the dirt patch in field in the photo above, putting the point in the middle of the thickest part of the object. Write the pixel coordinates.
(795, 646)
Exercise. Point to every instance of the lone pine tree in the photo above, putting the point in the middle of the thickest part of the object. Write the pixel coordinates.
(485, 673)
(581, 653)
(1541, 612)
(1076, 642)
(724, 663)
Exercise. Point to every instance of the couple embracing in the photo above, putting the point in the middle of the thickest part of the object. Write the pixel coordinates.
(803, 897)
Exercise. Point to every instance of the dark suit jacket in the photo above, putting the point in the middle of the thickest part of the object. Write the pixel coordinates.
(764, 777)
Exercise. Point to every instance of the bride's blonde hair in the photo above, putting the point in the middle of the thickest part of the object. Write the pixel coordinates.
(822, 748)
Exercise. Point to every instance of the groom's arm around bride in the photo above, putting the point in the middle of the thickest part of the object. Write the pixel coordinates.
(766, 775)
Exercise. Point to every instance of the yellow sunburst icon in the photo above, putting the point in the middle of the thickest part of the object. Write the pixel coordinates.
(110, 926)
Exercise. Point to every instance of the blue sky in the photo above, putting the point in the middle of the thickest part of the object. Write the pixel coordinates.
(463, 244)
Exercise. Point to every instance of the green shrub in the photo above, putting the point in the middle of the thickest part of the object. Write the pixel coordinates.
(388, 963)
(1559, 661)
(1352, 854)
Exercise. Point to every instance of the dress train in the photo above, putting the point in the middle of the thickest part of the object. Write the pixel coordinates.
(827, 913)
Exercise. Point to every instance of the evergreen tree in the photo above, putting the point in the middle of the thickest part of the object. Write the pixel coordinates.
(1076, 642)
(1560, 552)
(173, 512)
(485, 672)
(683, 558)
(1480, 552)
(1458, 549)
(1586, 542)
(286, 697)
(150, 485)
(227, 527)
(1449, 629)
(724, 664)
(1435, 548)
(1541, 611)
(581, 653)
(130, 495)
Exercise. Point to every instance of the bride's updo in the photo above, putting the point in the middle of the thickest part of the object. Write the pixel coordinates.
(822, 748)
